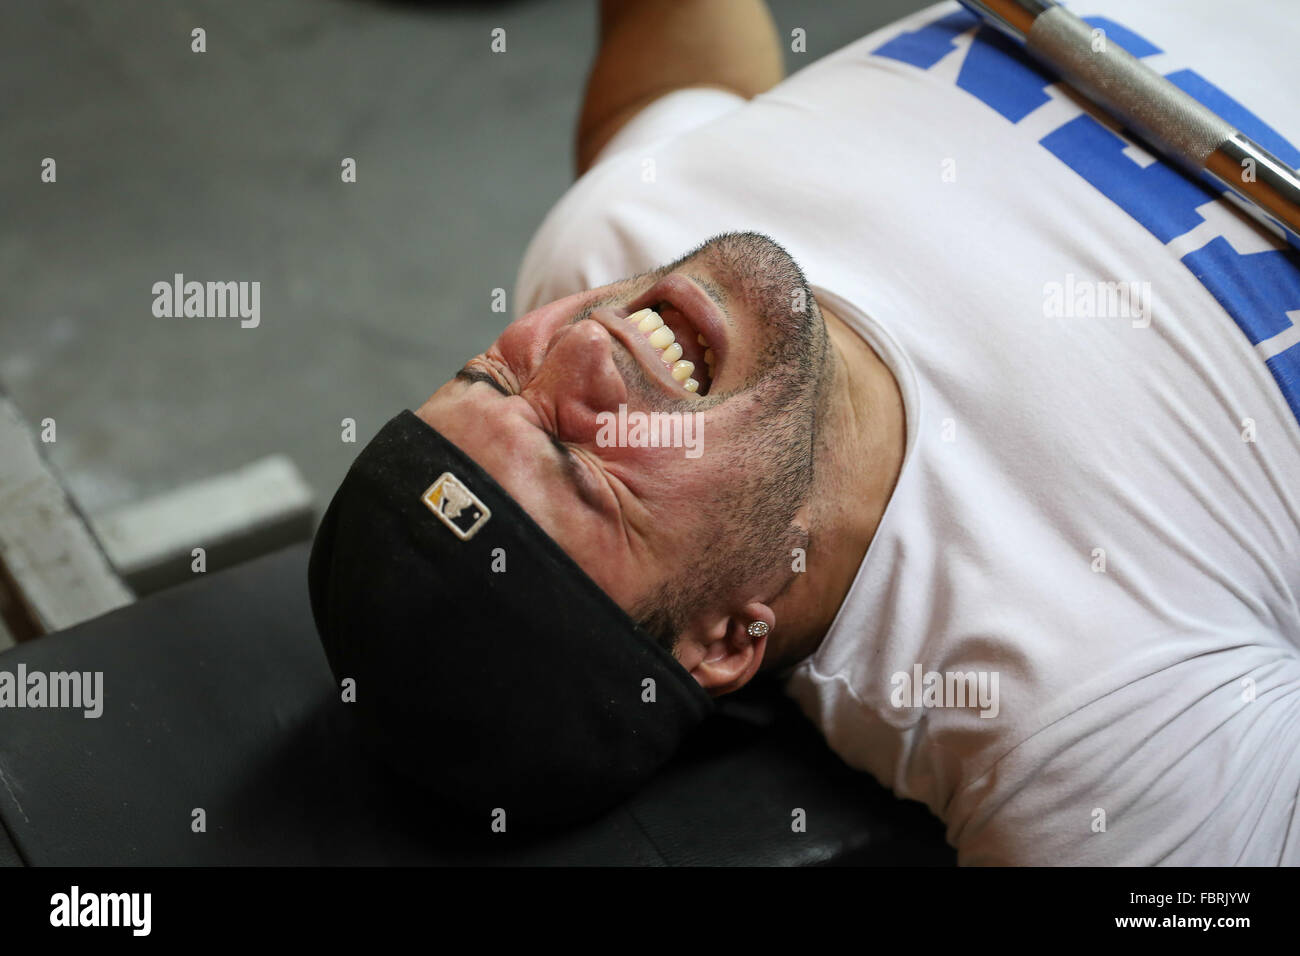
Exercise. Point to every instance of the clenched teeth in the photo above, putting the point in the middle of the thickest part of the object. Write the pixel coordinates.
(651, 324)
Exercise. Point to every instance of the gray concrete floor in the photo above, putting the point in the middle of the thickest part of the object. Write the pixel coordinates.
(225, 165)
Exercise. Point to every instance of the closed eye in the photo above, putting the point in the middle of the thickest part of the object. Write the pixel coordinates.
(472, 375)
(477, 375)
(577, 474)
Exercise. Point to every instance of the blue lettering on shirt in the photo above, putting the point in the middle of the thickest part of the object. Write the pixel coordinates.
(1257, 290)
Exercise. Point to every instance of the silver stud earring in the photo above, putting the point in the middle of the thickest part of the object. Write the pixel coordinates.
(757, 629)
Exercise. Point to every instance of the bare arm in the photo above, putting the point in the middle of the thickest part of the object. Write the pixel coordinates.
(652, 47)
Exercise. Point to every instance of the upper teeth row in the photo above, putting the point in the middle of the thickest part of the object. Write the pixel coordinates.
(650, 324)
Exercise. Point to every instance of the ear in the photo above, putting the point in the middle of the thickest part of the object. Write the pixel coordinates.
(720, 654)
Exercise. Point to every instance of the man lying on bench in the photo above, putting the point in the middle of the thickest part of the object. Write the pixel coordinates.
(1030, 558)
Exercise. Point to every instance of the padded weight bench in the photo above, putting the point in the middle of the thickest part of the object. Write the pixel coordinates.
(217, 695)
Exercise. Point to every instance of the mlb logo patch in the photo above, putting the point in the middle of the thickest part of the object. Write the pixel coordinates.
(456, 506)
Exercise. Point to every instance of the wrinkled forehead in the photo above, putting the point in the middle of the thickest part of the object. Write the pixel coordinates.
(489, 430)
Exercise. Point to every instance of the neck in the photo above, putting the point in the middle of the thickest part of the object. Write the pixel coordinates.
(862, 435)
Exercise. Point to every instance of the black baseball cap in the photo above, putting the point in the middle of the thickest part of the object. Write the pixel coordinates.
(489, 668)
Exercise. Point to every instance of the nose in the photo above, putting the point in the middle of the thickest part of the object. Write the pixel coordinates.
(579, 380)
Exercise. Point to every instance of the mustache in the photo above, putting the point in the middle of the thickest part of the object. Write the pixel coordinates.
(635, 377)
(646, 391)
(780, 361)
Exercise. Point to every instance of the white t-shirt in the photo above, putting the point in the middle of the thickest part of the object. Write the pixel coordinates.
(1100, 497)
